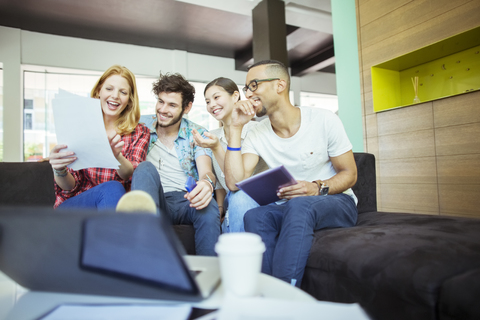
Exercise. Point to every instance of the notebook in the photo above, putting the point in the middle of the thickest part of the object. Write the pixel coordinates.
(113, 254)
(263, 187)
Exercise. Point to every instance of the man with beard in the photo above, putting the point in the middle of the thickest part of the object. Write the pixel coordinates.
(172, 158)
(312, 144)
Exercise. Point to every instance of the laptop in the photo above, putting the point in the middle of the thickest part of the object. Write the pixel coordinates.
(112, 254)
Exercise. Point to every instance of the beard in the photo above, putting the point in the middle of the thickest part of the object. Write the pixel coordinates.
(261, 112)
(171, 122)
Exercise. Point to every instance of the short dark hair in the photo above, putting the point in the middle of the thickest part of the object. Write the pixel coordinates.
(227, 84)
(175, 83)
(274, 68)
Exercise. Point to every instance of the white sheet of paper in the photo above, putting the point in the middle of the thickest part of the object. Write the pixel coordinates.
(119, 312)
(79, 124)
(273, 309)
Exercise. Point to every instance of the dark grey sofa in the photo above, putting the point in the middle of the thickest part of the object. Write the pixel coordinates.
(396, 265)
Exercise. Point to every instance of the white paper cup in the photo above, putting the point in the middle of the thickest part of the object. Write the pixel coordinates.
(240, 256)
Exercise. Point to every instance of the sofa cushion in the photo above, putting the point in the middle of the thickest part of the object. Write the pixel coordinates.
(26, 184)
(389, 261)
(459, 297)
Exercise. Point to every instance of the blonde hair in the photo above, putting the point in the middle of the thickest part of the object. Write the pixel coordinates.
(128, 119)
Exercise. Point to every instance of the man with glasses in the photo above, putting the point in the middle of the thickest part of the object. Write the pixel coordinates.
(312, 144)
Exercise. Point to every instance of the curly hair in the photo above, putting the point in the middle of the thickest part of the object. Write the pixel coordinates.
(175, 83)
(128, 119)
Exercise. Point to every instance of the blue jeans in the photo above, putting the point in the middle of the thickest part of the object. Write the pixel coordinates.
(237, 204)
(287, 230)
(104, 196)
(206, 222)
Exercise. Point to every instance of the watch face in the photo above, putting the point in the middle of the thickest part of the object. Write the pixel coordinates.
(324, 190)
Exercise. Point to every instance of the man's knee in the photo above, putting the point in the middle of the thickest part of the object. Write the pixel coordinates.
(145, 167)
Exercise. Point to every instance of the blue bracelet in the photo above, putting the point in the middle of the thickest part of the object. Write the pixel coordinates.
(234, 149)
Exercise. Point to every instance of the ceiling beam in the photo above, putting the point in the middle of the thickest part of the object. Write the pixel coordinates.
(315, 62)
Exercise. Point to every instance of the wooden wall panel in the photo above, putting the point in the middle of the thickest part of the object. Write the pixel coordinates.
(414, 118)
(459, 110)
(422, 150)
(413, 198)
(415, 144)
(459, 169)
(459, 200)
(464, 139)
(428, 32)
(406, 17)
(408, 171)
(371, 10)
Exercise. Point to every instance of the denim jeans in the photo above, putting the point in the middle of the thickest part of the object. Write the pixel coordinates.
(104, 196)
(237, 204)
(287, 230)
(206, 222)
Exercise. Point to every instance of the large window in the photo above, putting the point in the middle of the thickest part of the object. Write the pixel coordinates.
(41, 85)
(319, 100)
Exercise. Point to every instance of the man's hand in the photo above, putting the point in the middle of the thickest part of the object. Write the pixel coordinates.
(243, 112)
(200, 196)
(301, 189)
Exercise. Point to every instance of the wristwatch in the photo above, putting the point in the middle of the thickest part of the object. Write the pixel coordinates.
(322, 189)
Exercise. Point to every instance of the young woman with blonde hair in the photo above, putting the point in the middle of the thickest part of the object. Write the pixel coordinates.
(101, 188)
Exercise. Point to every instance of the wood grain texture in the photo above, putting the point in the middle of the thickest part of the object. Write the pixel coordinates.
(458, 110)
(459, 169)
(458, 20)
(373, 10)
(371, 125)
(406, 18)
(457, 140)
(408, 171)
(406, 197)
(417, 144)
(409, 119)
(460, 200)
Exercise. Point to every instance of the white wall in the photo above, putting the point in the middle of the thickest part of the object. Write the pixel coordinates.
(18, 47)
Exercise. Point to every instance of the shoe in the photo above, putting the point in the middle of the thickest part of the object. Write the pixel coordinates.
(137, 201)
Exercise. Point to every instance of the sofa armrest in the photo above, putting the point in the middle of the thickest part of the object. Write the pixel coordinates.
(26, 184)
(366, 187)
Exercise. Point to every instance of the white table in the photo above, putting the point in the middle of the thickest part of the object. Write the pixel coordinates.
(17, 303)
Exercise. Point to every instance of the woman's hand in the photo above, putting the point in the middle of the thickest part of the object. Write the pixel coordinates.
(116, 144)
(60, 159)
(212, 142)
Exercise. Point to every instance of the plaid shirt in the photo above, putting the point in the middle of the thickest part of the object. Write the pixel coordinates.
(134, 150)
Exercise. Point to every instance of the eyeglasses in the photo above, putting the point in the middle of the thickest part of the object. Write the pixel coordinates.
(253, 85)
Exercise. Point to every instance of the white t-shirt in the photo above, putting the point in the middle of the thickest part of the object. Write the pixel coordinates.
(306, 155)
(220, 133)
(172, 176)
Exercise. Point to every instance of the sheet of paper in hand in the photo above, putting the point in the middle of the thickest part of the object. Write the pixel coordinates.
(79, 124)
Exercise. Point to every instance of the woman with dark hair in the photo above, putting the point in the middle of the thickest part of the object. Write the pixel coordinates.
(101, 188)
(221, 95)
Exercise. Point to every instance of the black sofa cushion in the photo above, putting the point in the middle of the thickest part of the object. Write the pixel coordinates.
(26, 184)
(366, 186)
(459, 297)
(393, 264)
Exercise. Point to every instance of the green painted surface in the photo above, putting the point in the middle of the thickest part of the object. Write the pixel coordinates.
(348, 70)
(452, 73)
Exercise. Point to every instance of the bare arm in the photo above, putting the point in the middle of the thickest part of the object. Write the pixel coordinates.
(238, 167)
(201, 196)
(220, 196)
(345, 178)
